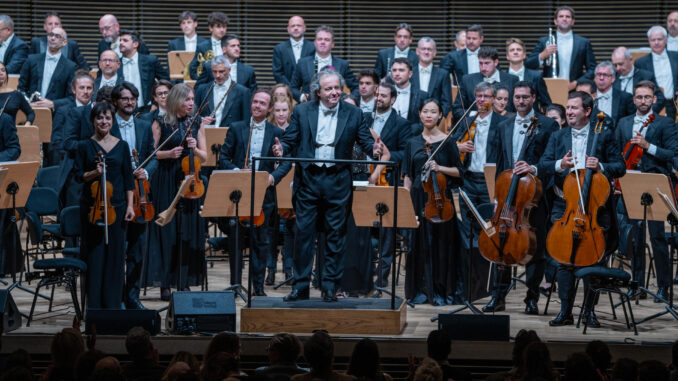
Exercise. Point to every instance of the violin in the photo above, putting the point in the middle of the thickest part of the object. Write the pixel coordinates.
(102, 212)
(577, 239)
(438, 208)
(516, 242)
(190, 165)
(143, 209)
(381, 179)
(470, 133)
(257, 220)
(632, 153)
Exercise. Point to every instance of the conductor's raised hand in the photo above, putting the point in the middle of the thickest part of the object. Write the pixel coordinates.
(277, 148)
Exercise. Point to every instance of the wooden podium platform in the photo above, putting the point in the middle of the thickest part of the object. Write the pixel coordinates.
(359, 316)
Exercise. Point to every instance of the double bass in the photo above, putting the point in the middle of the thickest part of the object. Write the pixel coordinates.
(143, 208)
(516, 195)
(577, 239)
(102, 212)
(470, 133)
(632, 153)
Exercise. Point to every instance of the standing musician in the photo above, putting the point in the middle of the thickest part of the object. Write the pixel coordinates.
(109, 63)
(10, 149)
(324, 128)
(465, 60)
(430, 78)
(409, 98)
(110, 36)
(589, 87)
(287, 54)
(628, 76)
(434, 259)
(659, 141)
(228, 100)
(247, 139)
(512, 139)
(217, 23)
(566, 150)
(460, 40)
(163, 250)
(71, 50)
(574, 52)
(368, 80)
(672, 26)
(664, 65)
(188, 22)
(105, 264)
(615, 103)
(138, 136)
(242, 73)
(403, 40)
(515, 55)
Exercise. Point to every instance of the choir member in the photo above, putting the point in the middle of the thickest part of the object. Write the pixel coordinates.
(71, 50)
(16, 100)
(515, 55)
(430, 78)
(217, 23)
(403, 40)
(465, 61)
(13, 50)
(188, 22)
(664, 65)
(235, 107)
(110, 36)
(286, 54)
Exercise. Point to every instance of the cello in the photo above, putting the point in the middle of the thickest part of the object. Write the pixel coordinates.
(470, 133)
(632, 153)
(102, 212)
(143, 208)
(438, 207)
(577, 239)
(516, 195)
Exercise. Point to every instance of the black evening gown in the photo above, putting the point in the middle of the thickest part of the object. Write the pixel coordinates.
(105, 263)
(161, 269)
(432, 264)
(15, 102)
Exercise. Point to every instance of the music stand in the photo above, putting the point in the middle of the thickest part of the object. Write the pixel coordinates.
(214, 136)
(234, 186)
(641, 198)
(177, 61)
(373, 207)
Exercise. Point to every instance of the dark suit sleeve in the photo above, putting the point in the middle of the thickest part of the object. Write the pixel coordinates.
(27, 109)
(149, 144)
(543, 97)
(245, 109)
(661, 99)
(590, 58)
(160, 70)
(277, 65)
(457, 109)
(447, 63)
(12, 149)
(72, 130)
(290, 138)
(253, 81)
(227, 150)
(25, 78)
(351, 81)
(34, 46)
(669, 143)
(143, 49)
(379, 66)
(364, 135)
(296, 83)
(79, 58)
(58, 128)
(613, 162)
(404, 136)
(532, 61)
(446, 96)
(547, 163)
(193, 66)
(19, 56)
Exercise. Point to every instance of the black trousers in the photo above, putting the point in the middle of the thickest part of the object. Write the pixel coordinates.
(137, 247)
(476, 189)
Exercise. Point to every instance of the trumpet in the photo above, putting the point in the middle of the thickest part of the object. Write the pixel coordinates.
(208, 56)
(553, 58)
(34, 97)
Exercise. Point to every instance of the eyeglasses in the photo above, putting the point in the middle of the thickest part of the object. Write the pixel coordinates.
(58, 36)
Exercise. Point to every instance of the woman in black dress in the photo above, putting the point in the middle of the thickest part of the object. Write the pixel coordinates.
(105, 263)
(163, 249)
(15, 101)
(431, 267)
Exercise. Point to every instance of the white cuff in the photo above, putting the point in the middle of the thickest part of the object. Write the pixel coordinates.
(652, 150)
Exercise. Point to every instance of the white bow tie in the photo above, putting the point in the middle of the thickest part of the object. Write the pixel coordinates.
(522, 121)
(52, 58)
(604, 96)
(579, 134)
(425, 69)
(380, 118)
(482, 123)
(470, 53)
(126, 123)
(126, 61)
(259, 126)
(490, 80)
(297, 44)
(639, 119)
(403, 92)
(626, 77)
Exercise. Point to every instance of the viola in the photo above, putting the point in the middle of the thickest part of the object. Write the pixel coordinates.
(516, 195)
(143, 209)
(632, 153)
(577, 239)
(470, 133)
(190, 165)
(438, 207)
(381, 179)
(102, 212)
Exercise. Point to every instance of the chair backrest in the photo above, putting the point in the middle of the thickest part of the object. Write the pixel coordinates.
(43, 201)
(29, 140)
(13, 81)
(33, 228)
(557, 88)
(70, 221)
(48, 177)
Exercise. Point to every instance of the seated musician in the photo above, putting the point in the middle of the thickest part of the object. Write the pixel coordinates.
(568, 149)
(9, 151)
(659, 143)
(247, 139)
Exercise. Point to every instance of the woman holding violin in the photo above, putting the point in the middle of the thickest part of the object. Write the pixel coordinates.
(432, 265)
(188, 142)
(104, 207)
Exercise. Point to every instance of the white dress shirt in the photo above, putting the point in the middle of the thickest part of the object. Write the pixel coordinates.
(297, 46)
(672, 43)
(638, 121)
(626, 82)
(130, 71)
(190, 43)
(257, 141)
(565, 43)
(216, 47)
(380, 121)
(472, 61)
(519, 127)
(495, 77)
(3, 48)
(115, 46)
(234, 71)
(322, 62)
(109, 82)
(425, 76)
(127, 132)
(604, 101)
(402, 103)
(48, 70)
(479, 156)
(367, 106)
(218, 92)
(520, 73)
(663, 73)
(327, 129)
(579, 148)
(400, 53)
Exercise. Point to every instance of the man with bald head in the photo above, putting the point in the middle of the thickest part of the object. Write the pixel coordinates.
(627, 75)
(71, 50)
(109, 63)
(110, 36)
(672, 26)
(13, 50)
(663, 64)
(287, 54)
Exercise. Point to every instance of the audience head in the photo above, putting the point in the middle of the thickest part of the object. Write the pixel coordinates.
(124, 97)
(324, 40)
(460, 40)
(187, 358)
(86, 362)
(403, 36)
(537, 362)
(367, 83)
(231, 46)
(426, 50)
(219, 365)
(474, 37)
(523, 339)
(138, 341)
(188, 22)
(327, 87)
(217, 23)
(283, 347)
(439, 345)
(160, 91)
(365, 362)
(20, 358)
(653, 370)
(109, 63)
(657, 37)
(82, 87)
(319, 353)
(108, 374)
(600, 354)
(563, 18)
(557, 113)
(17, 373)
(109, 27)
(580, 367)
(428, 370)
(674, 354)
(622, 60)
(625, 369)
(282, 111)
(296, 27)
(67, 345)
(227, 342)
(108, 362)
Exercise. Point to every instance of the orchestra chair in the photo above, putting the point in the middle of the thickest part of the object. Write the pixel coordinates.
(13, 81)
(43, 120)
(43, 202)
(446, 123)
(29, 140)
(557, 88)
(48, 177)
(94, 73)
(639, 54)
(347, 91)
(178, 61)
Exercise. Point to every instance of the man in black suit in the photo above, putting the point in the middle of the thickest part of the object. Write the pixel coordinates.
(460, 40)
(324, 128)
(571, 148)
(659, 140)
(242, 73)
(188, 22)
(664, 65)
(110, 36)
(49, 73)
(308, 66)
(462, 62)
(109, 64)
(140, 69)
(138, 135)
(672, 26)
(247, 139)
(403, 40)
(82, 88)
(628, 76)
(515, 55)
(10, 150)
(429, 78)
(575, 54)
(287, 54)
(217, 23)
(13, 50)
(513, 138)
(488, 59)
(368, 81)
(589, 87)
(236, 105)
(409, 98)
(615, 103)
(71, 50)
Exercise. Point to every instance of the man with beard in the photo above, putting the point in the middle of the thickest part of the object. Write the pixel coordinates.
(110, 36)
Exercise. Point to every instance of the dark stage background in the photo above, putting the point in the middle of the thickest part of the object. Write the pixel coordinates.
(362, 27)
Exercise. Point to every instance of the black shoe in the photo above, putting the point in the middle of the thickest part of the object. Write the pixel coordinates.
(531, 307)
(662, 295)
(297, 295)
(288, 274)
(381, 283)
(495, 305)
(165, 294)
(593, 321)
(329, 295)
(259, 291)
(134, 304)
(270, 278)
(562, 319)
